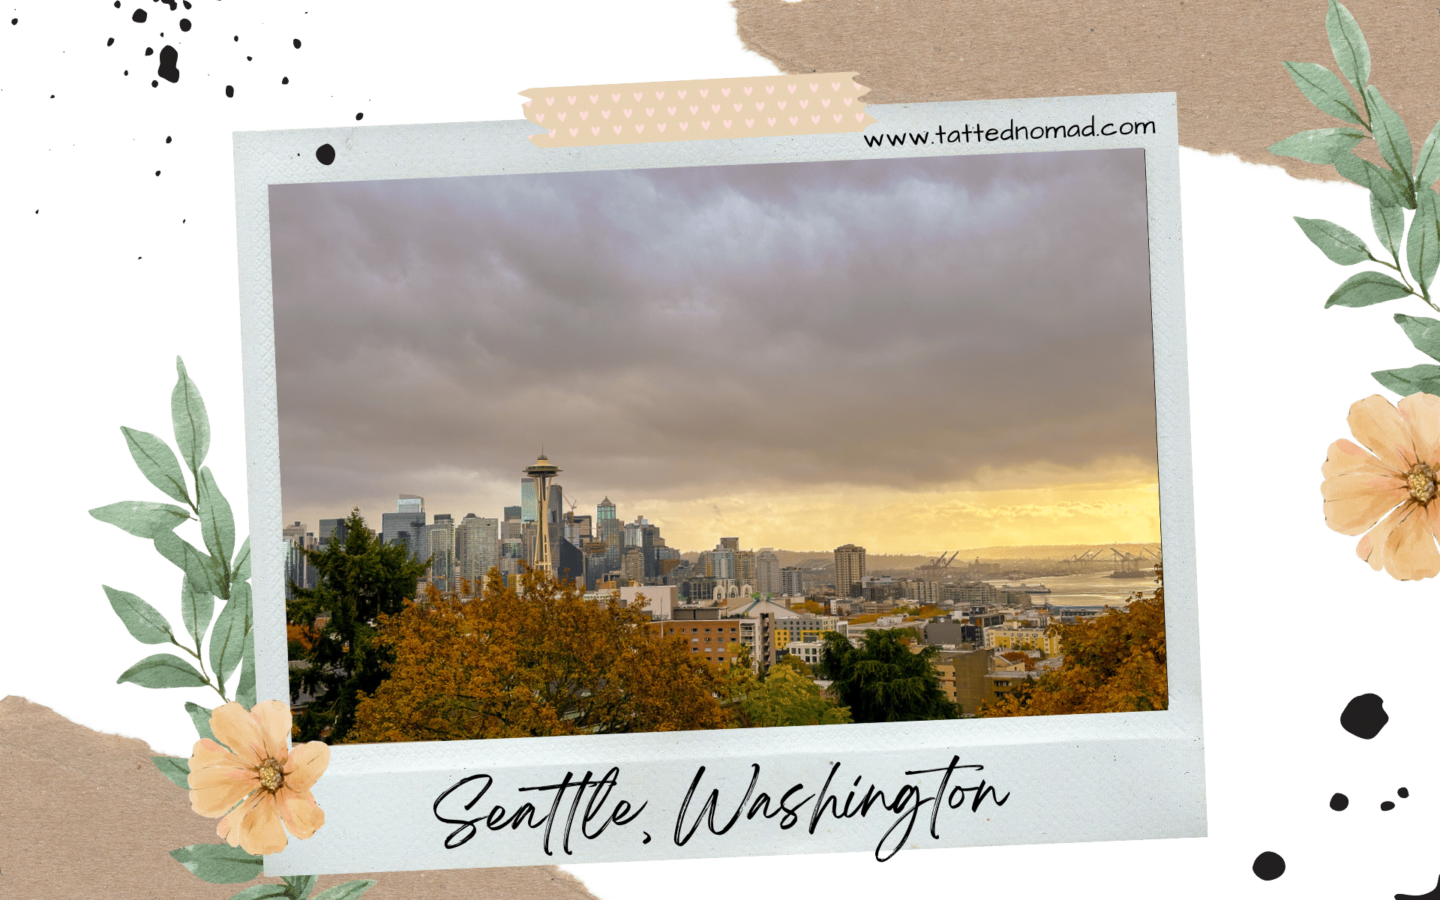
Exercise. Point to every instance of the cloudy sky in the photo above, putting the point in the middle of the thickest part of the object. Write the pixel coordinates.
(904, 354)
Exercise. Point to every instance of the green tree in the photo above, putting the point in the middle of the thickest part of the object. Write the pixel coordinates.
(788, 697)
(359, 581)
(884, 680)
(792, 662)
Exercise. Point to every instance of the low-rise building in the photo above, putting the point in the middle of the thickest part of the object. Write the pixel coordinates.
(1011, 636)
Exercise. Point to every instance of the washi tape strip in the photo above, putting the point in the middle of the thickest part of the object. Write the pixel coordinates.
(768, 106)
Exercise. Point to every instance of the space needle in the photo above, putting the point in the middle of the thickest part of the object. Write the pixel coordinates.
(542, 472)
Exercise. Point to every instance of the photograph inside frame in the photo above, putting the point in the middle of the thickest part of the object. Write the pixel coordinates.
(731, 446)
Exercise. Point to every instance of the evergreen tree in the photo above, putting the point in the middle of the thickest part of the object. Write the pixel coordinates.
(359, 580)
(884, 681)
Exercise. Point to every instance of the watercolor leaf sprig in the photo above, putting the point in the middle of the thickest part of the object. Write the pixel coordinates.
(219, 572)
(1404, 184)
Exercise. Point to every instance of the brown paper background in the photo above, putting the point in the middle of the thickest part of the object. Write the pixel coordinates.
(86, 814)
(1221, 57)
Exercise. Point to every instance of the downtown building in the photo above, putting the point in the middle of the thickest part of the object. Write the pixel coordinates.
(849, 570)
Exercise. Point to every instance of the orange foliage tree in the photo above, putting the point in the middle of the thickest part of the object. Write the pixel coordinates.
(537, 660)
(1113, 663)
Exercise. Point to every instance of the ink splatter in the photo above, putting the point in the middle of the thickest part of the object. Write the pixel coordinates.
(1339, 801)
(359, 116)
(184, 24)
(1364, 716)
(167, 138)
(285, 80)
(1268, 866)
(110, 43)
(140, 16)
(325, 153)
(149, 51)
(229, 90)
(168, 57)
(1430, 895)
(1390, 804)
(296, 42)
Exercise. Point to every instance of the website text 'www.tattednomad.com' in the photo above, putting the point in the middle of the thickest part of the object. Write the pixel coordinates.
(1013, 132)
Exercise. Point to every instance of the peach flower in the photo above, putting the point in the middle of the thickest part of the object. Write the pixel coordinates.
(259, 781)
(1393, 484)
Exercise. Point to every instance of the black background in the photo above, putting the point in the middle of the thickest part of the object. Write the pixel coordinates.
(113, 271)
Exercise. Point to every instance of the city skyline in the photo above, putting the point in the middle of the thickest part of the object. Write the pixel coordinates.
(901, 354)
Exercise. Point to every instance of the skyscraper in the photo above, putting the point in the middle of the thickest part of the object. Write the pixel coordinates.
(849, 570)
(331, 531)
(406, 525)
(767, 572)
(512, 512)
(440, 537)
(477, 549)
(632, 565)
(792, 581)
(745, 567)
(528, 506)
(609, 530)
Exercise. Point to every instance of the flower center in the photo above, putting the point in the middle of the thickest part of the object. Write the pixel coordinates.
(1421, 482)
(270, 777)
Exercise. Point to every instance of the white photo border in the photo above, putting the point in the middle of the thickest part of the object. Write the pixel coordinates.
(1114, 776)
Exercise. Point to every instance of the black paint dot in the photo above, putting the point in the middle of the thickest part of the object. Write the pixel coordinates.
(127, 71)
(285, 80)
(168, 57)
(185, 24)
(1339, 802)
(249, 58)
(157, 173)
(229, 90)
(1387, 806)
(110, 42)
(1364, 716)
(167, 138)
(1268, 866)
(237, 38)
(325, 153)
(154, 83)
(117, 4)
(647, 838)
(149, 51)
(359, 116)
(14, 21)
(1403, 792)
(139, 16)
(185, 3)
(296, 42)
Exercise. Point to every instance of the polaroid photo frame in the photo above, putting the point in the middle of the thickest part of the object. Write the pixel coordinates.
(762, 791)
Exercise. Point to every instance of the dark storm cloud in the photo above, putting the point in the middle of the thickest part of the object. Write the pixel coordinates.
(684, 332)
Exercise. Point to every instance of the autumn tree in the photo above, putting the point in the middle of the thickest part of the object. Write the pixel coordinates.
(884, 680)
(1113, 663)
(531, 660)
(360, 580)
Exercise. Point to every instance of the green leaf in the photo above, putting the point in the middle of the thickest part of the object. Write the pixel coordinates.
(1325, 90)
(1389, 226)
(227, 641)
(240, 569)
(1348, 44)
(157, 463)
(1423, 333)
(162, 670)
(175, 768)
(1323, 145)
(347, 891)
(141, 518)
(1389, 189)
(1422, 250)
(1340, 244)
(1390, 133)
(142, 620)
(1427, 167)
(201, 717)
(198, 567)
(245, 691)
(219, 863)
(1367, 289)
(263, 892)
(1414, 380)
(192, 425)
(300, 885)
(196, 608)
(217, 523)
